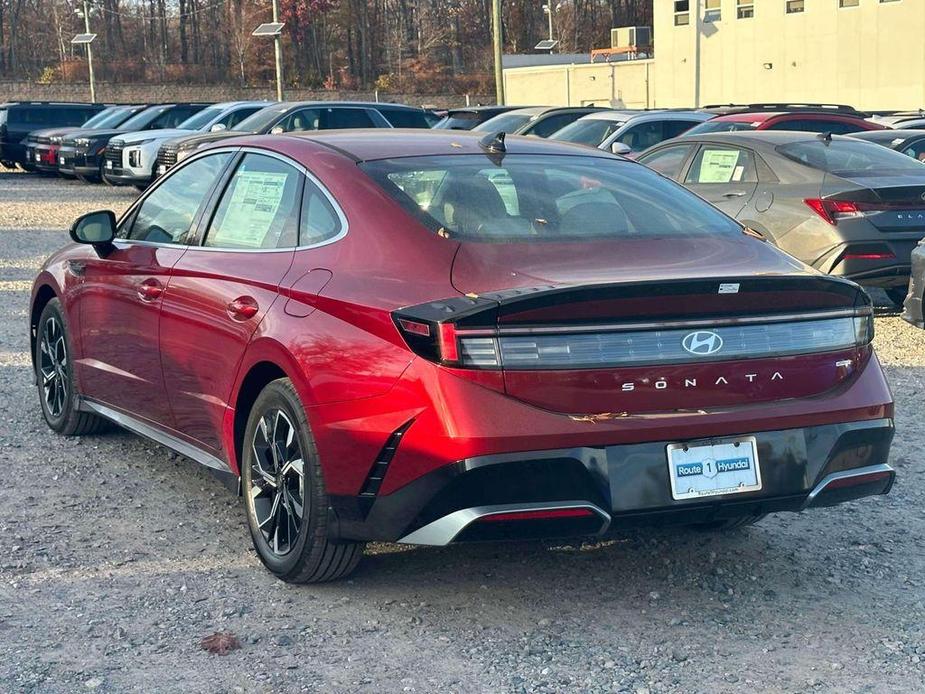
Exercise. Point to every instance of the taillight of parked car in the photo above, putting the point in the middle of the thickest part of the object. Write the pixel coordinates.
(834, 210)
(547, 347)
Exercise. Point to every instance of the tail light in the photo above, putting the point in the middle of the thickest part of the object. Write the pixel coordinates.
(834, 210)
(544, 514)
(458, 343)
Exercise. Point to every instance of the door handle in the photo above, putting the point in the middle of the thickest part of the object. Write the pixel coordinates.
(150, 290)
(243, 308)
(735, 194)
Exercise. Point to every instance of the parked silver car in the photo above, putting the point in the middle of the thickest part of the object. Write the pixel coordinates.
(629, 132)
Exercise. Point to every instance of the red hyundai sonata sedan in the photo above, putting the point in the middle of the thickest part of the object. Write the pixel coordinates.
(432, 337)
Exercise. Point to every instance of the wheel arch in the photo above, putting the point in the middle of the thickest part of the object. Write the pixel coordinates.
(42, 295)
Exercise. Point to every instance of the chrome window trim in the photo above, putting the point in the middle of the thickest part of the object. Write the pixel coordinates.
(309, 177)
(667, 325)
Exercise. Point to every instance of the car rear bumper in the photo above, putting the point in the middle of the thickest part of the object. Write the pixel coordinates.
(598, 489)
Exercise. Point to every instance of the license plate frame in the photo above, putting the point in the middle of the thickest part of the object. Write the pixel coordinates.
(724, 458)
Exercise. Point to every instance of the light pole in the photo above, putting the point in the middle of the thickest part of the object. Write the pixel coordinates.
(274, 29)
(547, 8)
(86, 39)
(496, 49)
(698, 27)
(277, 49)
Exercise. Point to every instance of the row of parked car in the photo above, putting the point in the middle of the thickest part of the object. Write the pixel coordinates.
(816, 180)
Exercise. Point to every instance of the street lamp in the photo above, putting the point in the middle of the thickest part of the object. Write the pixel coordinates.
(496, 49)
(86, 39)
(274, 29)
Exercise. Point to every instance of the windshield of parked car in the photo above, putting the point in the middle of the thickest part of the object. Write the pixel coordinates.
(544, 198)
(588, 131)
(103, 117)
(852, 157)
(141, 120)
(201, 119)
(263, 119)
(506, 122)
(722, 126)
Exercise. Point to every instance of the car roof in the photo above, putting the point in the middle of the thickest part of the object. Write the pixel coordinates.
(369, 144)
(478, 109)
(762, 116)
(535, 111)
(888, 135)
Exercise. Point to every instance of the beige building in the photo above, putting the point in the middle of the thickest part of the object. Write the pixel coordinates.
(867, 53)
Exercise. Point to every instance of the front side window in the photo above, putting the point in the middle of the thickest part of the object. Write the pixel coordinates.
(640, 137)
(298, 121)
(232, 119)
(259, 208)
(167, 214)
(201, 119)
(667, 161)
(536, 198)
(722, 165)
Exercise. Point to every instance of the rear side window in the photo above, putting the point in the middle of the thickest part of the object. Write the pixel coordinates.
(167, 214)
(916, 150)
(259, 207)
(543, 198)
(815, 125)
(668, 161)
(848, 157)
(319, 221)
(347, 118)
(722, 165)
(673, 128)
(405, 118)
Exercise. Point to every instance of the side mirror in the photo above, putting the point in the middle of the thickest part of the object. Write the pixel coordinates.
(620, 148)
(218, 127)
(96, 228)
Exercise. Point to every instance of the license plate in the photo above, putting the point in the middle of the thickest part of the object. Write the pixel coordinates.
(108, 164)
(701, 470)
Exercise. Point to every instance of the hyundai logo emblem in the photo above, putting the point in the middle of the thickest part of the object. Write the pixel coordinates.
(702, 343)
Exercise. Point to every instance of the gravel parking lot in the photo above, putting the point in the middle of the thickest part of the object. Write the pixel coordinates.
(117, 558)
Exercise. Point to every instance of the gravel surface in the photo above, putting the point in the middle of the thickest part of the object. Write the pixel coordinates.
(117, 558)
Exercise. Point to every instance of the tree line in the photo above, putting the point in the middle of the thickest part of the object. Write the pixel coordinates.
(411, 46)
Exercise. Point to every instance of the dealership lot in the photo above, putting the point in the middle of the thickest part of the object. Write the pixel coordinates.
(117, 557)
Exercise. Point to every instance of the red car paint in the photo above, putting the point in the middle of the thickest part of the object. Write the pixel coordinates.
(778, 120)
(155, 336)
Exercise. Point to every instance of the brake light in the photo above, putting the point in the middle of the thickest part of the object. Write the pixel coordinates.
(833, 210)
(449, 343)
(888, 255)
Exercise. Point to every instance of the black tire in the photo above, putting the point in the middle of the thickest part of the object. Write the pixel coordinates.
(276, 436)
(55, 379)
(730, 523)
(898, 295)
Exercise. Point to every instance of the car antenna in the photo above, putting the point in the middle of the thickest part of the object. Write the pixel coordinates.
(493, 143)
(826, 137)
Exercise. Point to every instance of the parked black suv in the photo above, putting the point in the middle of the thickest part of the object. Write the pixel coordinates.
(84, 150)
(21, 118)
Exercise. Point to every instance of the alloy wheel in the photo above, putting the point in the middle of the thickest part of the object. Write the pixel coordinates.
(277, 481)
(53, 367)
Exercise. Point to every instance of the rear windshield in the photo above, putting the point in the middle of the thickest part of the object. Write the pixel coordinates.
(592, 131)
(544, 198)
(459, 120)
(722, 126)
(506, 122)
(851, 158)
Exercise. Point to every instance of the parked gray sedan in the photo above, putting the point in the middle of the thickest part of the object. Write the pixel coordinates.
(847, 207)
(629, 132)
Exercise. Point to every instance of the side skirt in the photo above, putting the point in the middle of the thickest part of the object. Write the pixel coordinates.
(137, 426)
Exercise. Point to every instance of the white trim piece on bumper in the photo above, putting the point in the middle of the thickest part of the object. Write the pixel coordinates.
(882, 468)
(444, 530)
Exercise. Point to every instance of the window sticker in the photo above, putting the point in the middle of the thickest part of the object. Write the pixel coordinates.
(719, 166)
(252, 208)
